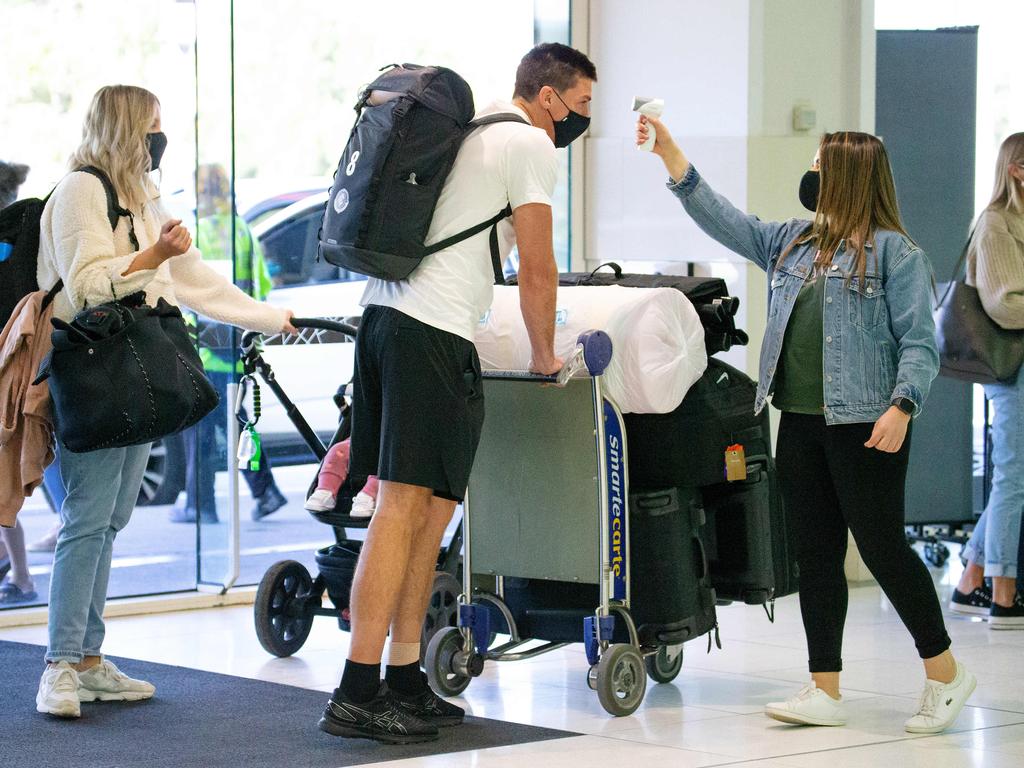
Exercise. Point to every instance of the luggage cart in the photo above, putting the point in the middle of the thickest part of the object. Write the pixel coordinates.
(547, 500)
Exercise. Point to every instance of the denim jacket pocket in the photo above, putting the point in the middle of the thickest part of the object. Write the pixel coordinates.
(866, 301)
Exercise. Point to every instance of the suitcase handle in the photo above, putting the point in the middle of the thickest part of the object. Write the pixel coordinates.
(615, 268)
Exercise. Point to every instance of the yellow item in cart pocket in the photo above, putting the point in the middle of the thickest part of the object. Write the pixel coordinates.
(735, 463)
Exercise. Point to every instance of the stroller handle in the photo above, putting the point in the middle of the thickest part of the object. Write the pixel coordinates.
(305, 322)
(325, 325)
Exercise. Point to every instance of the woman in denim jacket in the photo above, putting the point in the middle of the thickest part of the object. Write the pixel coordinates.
(848, 357)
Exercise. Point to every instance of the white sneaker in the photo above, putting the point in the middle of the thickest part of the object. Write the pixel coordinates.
(810, 706)
(58, 691)
(321, 500)
(941, 703)
(363, 505)
(105, 682)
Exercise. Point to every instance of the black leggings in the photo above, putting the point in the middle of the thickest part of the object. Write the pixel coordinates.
(830, 484)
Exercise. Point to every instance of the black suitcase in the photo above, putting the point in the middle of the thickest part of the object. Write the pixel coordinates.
(709, 296)
(672, 600)
(687, 446)
(749, 545)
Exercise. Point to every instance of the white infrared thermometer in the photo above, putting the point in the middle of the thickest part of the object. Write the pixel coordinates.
(651, 108)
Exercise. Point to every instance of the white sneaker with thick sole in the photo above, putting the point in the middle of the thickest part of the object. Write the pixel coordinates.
(942, 702)
(58, 691)
(105, 682)
(321, 500)
(810, 706)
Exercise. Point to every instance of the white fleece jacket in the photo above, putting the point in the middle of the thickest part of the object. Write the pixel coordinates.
(77, 246)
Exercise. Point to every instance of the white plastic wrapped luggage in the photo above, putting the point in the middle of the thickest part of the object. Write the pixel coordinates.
(657, 336)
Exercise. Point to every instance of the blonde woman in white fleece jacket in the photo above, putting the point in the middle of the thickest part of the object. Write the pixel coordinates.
(995, 265)
(121, 137)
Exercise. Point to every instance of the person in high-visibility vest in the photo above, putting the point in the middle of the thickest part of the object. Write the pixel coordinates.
(205, 443)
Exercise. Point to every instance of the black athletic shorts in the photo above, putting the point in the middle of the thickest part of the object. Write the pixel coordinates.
(417, 405)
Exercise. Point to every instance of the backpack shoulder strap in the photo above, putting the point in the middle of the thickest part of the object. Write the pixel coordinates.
(492, 223)
(497, 117)
(114, 209)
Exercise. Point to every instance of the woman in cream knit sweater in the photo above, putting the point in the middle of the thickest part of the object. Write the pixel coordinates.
(995, 264)
(121, 137)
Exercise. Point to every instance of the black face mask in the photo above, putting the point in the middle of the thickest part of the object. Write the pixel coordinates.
(810, 185)
(157, 143)
(570, 127)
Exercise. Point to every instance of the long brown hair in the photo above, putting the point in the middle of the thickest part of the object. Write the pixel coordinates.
(857, 197)
(114, 139)
(1006, 193)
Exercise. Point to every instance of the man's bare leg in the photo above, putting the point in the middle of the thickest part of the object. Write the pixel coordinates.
(384, 565)
(411, 609)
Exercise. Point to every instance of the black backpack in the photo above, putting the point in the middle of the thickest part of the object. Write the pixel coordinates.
(19, 232)
(412, 121)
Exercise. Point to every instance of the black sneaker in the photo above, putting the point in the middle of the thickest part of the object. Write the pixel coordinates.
(1007, 618)
(977, 603)
(267, 504)
(380, 719)
(430, 708)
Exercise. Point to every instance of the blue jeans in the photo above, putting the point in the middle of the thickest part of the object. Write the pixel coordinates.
(54, 486)
(996, 537)
(102, 487)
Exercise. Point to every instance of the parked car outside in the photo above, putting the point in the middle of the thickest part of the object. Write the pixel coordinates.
(310, 366)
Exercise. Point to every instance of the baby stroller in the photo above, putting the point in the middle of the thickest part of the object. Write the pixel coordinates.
(289, 597)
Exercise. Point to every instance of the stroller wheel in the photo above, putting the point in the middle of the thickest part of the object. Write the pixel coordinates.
(664, 666)
(284, 608)
(439, 662)
(621, 682)
(442, 610)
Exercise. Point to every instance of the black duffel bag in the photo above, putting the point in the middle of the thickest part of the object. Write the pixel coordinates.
(709, 296)
(124, 373)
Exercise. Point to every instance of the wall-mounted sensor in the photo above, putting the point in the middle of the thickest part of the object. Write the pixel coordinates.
(804, 117)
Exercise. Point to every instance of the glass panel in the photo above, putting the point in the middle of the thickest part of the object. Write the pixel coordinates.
(285, 156)
(50, 69)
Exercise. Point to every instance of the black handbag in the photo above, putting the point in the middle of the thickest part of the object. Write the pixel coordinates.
(124, 373)
(972, 346)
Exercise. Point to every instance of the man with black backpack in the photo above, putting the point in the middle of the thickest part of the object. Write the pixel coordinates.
(418, 403)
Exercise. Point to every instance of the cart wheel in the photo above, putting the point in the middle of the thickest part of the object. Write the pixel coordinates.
(936, 553)
(664, 666)
(283, 611)
(447, 642)
(621, 682)
(592, 678)
(442, 610)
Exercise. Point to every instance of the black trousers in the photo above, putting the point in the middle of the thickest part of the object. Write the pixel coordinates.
(830, 484)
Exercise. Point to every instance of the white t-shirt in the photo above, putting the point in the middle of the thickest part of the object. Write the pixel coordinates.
(497, 165)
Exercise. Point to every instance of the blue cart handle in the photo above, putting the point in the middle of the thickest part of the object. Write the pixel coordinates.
(593, 353)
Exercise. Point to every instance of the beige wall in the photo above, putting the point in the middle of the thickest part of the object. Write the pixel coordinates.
(730, 73)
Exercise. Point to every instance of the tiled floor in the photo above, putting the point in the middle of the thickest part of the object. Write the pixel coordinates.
(710, 716)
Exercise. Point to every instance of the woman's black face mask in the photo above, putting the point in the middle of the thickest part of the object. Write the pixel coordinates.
(810, 186)
(157, 142)
(570, 127)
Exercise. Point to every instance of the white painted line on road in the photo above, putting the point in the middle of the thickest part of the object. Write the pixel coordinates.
(138, 562)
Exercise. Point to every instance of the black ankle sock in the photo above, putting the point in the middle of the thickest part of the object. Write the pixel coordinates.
(407, 679)
(360, 682)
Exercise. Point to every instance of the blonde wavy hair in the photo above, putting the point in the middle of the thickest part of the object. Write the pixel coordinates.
(114, 140)
(1006, 193)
